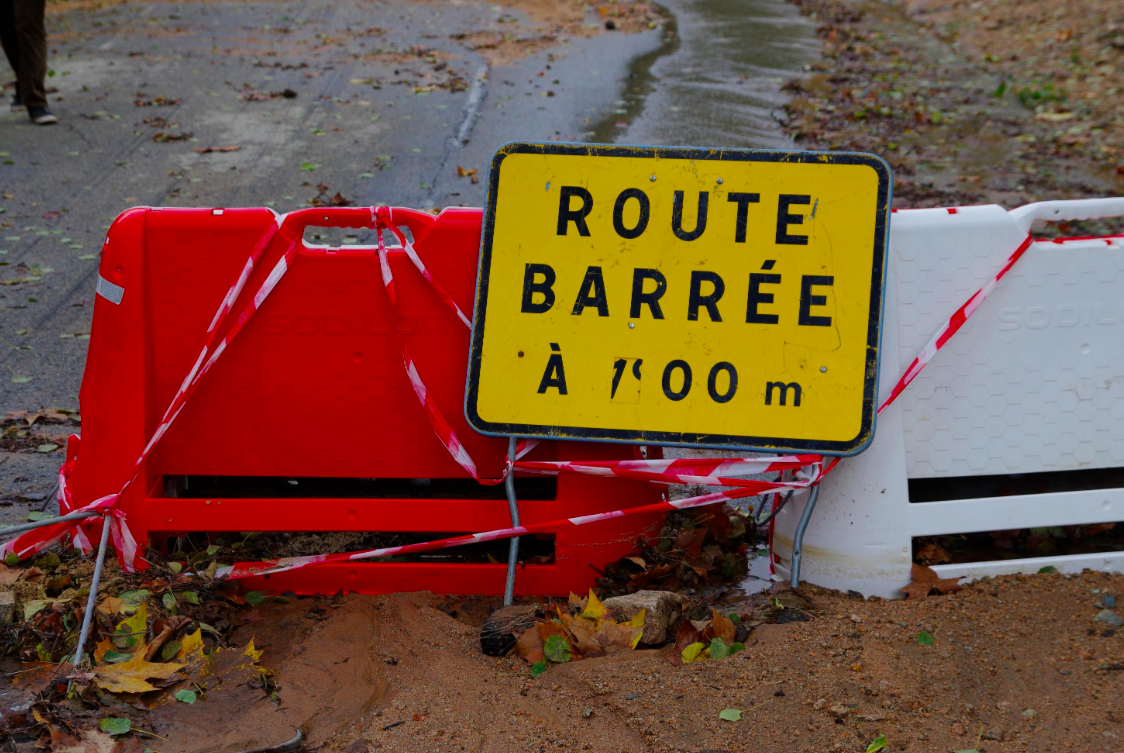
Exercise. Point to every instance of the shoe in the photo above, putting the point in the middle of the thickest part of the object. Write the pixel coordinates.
(42, 116)
(17, 103)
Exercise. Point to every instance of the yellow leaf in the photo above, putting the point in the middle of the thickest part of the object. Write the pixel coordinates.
(594, 610)
(135, 627)
(637, 619)
(191, 651)
(692, 652)
(250, 652)
(133, 676)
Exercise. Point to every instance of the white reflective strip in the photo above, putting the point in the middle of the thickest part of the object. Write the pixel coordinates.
(109, 291)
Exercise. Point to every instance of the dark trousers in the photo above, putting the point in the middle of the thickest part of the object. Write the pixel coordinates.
(23, 35)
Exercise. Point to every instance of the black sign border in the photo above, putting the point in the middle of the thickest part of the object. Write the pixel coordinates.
(685, 439)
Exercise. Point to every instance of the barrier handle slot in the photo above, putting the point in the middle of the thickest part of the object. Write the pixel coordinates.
(1067, 211)
(356, 217)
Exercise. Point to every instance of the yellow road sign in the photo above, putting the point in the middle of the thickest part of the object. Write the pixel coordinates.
(720, 298)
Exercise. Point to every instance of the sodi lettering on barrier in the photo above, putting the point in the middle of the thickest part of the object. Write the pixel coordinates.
(695, 297)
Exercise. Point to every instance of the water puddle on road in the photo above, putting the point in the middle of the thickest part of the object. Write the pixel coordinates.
(717, 81)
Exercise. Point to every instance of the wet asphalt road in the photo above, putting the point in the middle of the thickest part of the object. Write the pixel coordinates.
(365, 122)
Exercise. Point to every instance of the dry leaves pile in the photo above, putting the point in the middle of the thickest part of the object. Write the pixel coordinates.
(164, 641)
(716, 638)
(696, 548)
(583, 629)
(32, 431)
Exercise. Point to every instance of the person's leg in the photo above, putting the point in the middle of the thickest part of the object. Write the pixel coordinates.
(8, 38)
(31, 32)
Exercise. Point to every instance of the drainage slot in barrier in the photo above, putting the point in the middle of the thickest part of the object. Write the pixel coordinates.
(1048, 482)
(532, 489)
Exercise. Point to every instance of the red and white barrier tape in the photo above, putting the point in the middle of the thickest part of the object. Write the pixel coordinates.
(249, 569)
(718, 472)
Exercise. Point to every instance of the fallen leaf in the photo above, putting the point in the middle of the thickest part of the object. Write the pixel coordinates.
(556, 649)
(529, 645)
(691, 653)
(114, 725)
(91, 741)
(185, 696)
(690, 542)
(111, 605)
(730, 715)
(877, 744)
(925, 638)
(537, 669)
(721, 627)
(925, 580)
(133, 676)
(211, 149)
(594, 610)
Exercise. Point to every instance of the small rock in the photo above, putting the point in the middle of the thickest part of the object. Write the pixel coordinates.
(1030, 714)
(856, 618)
(587, 712)
(1108, 617)
(993, 734)
(958, 729)
(819, 704)
(7, 607)
(665, 613)
(839, 711)
(873, 717)
(1109, 601)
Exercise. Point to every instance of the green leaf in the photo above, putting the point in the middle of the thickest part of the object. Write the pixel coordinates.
(253, 598)
(185, 696)
(1048, 569)
(719, 649)
(538, 668)
(113, 725)
(738, 646)
(12, 560)
(309, 166)
(135, 598)
(175, 567)
(557, 649)
(36, 516)
(925, 638)
(190, 597)
(31, 608)
(169, 601)
(170, 649)
(116, 657)
(212, 550)
(208, 629)
(48, 561)
(43, 653)
(877, 744)
(730, 715)
(48, 447)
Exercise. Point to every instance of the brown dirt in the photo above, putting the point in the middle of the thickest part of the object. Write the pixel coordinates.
(1019, 658)
(966, 107)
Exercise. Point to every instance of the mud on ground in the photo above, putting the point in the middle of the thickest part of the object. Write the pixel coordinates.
(1017, 662)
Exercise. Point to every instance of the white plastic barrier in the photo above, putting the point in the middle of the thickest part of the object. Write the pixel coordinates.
(1032, 384)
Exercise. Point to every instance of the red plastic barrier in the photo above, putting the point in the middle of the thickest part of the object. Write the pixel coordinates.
(314, 387)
